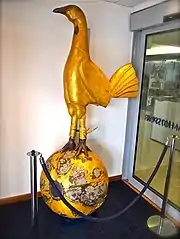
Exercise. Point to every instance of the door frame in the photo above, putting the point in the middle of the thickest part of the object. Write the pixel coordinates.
(138, 57)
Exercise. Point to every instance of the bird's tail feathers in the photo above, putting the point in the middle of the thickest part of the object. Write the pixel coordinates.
(124, 82)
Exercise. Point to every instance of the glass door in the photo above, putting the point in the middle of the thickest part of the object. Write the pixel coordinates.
(158, 114)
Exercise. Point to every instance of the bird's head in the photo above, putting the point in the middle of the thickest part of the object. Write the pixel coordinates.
(72, 12)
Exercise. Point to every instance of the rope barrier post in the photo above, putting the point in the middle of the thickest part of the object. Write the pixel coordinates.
(161, 225)
(33, 184)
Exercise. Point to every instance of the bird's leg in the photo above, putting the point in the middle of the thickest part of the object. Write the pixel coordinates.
(82, 147)
(71, 144)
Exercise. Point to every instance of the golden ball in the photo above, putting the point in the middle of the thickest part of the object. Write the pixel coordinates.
(83, 181)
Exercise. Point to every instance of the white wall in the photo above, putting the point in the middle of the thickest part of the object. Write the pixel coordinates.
(33, 115)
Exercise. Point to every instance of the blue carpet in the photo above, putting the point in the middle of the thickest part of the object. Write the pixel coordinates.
(15, 220)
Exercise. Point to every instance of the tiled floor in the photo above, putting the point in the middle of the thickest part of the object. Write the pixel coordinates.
(159, 181)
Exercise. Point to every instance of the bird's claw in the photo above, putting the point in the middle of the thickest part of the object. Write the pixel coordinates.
(69, 146)
(81, 148)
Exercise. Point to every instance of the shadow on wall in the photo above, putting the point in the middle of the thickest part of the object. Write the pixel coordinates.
(103, 153)
(101, 141)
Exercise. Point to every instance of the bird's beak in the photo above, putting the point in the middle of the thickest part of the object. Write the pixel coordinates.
(61, 10)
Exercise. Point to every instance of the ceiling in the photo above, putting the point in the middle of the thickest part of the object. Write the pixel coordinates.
(127, 3)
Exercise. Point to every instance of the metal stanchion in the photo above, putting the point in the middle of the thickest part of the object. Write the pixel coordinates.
(34, 195)
(160, 224)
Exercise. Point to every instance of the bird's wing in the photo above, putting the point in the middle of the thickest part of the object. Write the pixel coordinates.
(95, 82)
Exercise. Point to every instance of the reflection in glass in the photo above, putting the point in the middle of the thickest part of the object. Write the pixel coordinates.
(159, 114)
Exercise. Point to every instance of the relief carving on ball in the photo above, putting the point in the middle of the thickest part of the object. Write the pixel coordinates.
(84, 183)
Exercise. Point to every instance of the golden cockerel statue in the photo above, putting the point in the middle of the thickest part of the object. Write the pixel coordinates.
(85, 83)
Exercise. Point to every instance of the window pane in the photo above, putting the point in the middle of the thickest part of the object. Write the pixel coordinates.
(160, 111)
